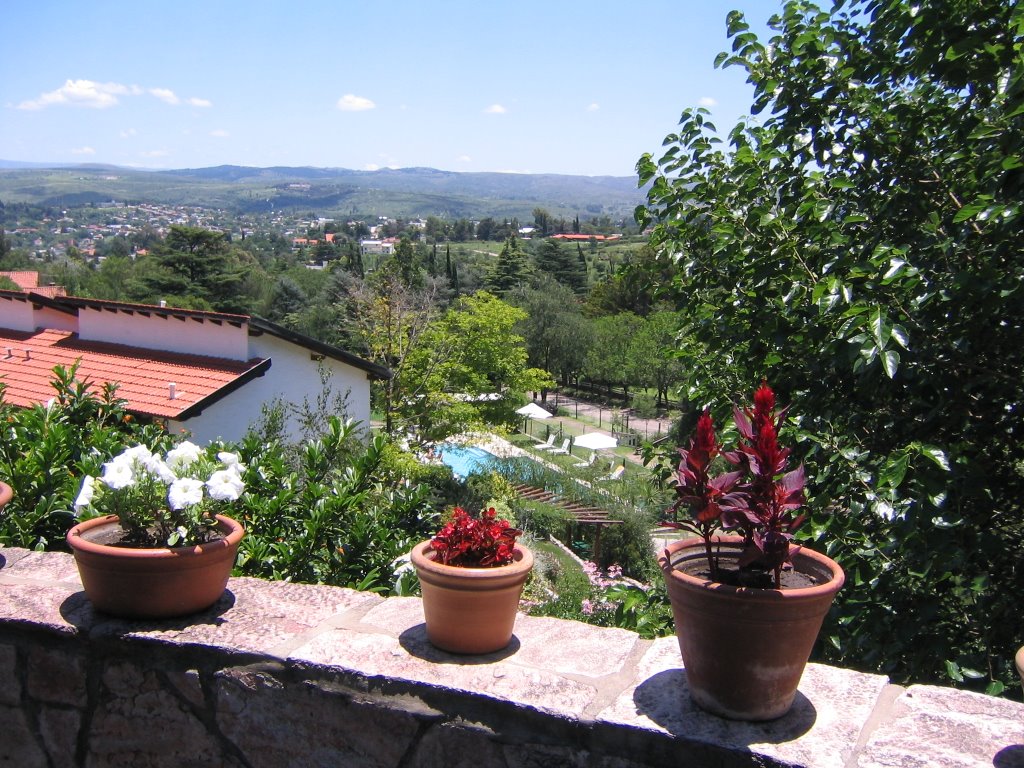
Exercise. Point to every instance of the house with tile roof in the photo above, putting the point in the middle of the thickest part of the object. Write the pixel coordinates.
(208, 373)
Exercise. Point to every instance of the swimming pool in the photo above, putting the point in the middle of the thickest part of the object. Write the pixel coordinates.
(465, 459)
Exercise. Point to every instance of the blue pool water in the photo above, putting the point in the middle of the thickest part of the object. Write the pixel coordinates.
(465, 459)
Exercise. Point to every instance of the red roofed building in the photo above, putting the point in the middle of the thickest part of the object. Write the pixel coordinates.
(29, 281)
(209, 373)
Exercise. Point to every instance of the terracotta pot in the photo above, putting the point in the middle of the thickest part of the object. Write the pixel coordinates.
(6, 494)
(152, 583)
(470, 610)
(744, 649)
(1019, 660)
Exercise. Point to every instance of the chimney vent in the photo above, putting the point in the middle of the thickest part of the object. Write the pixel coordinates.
(163, 303)
(28, 354)
(172, 391)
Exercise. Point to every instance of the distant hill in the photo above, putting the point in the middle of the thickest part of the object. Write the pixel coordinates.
(406, 192)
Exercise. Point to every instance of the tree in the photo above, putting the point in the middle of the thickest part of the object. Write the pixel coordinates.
(199, 264)
(609, 359)
(862, 247)
(511, 269)
(542, 221)
(558, 261)
(471, 371)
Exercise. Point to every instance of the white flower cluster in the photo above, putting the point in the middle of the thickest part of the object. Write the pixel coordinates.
(132, 465)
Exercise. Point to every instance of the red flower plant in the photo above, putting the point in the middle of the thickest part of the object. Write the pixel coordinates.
(760, 508)
(475, 542)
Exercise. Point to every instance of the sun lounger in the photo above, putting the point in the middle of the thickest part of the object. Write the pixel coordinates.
(616, 473)
(589, 462)
(564, 449)
(550, 444)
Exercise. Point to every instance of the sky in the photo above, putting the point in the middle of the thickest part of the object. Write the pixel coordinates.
(563, 86)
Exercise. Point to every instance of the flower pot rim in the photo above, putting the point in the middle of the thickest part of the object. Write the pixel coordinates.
(422, 560)
(833, 585)
(232, 529)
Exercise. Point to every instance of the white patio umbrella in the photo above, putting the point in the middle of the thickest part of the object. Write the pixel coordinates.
(533, 411)
(596, 441)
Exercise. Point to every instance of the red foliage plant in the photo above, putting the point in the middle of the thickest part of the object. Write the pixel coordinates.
(757, 499)
(475, 542)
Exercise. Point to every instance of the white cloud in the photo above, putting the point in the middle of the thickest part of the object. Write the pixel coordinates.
(155, 153)
(707, 101)
(93, 95)
(83, 151)
(495, 109)
(127, 133)
(593, 107)
(220, 133)
(464, 159)
(371, 167)
(352, 103)
(81, 93)
(165, 95)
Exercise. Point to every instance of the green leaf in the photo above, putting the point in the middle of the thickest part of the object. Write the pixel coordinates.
(937, 455)
(953, 671)
(995, 688)
(890, 362)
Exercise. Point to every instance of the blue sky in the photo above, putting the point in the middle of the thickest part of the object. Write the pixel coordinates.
(564, 86)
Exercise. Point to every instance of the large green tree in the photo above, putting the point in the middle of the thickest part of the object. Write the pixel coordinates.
(861, 245)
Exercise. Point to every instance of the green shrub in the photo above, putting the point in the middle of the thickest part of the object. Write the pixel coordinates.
(49, 448)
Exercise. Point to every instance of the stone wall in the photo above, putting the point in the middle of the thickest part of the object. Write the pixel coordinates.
(281, 674)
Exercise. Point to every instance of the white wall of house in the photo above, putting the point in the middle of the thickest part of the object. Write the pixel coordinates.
(16, 314)
(187, 335)
(293, 377)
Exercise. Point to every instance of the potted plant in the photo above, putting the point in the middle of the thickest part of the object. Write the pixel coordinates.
(151, 544)
(471, 577)
(747, 607)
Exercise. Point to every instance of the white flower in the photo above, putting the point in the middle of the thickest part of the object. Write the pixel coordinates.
(183, 455)
(117, 474)
(158, 468)
(225, 485)
(85, 495)
(184, 492)
(231, 461)
(136, 454)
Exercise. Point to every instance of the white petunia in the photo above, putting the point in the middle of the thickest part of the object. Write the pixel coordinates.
(225, 485)
(231, 461)
(85, 495)
(117, 474)
(183, 455)
(158, 468)
(136, 454)
(185, 492)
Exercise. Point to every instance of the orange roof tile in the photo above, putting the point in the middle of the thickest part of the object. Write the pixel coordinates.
(24, 279)
(143, 376)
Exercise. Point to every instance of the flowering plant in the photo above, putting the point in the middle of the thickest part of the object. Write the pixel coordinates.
(757, 499)
(475, 542)
(164, 500)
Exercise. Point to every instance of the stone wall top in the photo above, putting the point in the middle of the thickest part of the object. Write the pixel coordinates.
(604, 696)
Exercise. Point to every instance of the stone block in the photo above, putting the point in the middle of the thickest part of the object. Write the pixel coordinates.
(498, 676)
(139, 723)
(933, 726)
(254, 615)
(59, 731)
(19, 748)
(275, 725)
(10, 685)
(56, 676)
(821, 731)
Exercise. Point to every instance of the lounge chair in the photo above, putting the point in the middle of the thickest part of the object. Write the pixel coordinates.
(616, 473)
(548, 445)
(563, 450)
(589, 462)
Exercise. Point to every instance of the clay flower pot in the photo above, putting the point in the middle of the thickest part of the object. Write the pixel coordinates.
(744, 649)
(1019, 660)
(470, 610)
(6, 494)
(152, 583)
